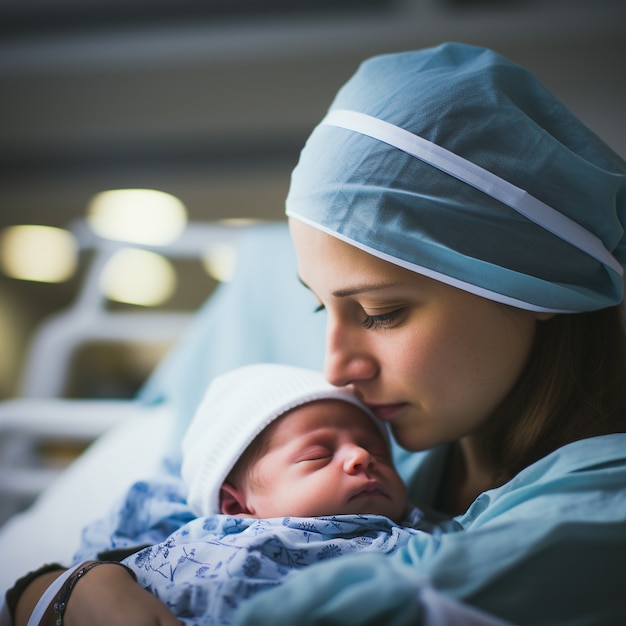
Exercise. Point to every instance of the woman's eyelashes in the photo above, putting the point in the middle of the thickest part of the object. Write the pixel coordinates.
(383, 320)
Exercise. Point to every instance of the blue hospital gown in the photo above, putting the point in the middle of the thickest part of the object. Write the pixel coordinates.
(204, 570)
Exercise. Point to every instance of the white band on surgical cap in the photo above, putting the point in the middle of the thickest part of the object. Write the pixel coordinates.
(425, 271)
(474, 175)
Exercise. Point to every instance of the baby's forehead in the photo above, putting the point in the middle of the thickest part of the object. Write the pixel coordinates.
(326, 409)
(321, 416)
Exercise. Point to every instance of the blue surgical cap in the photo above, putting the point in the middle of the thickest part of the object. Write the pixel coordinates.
(458, 164)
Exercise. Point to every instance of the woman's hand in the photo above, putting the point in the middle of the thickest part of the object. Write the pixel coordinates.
(107, 595)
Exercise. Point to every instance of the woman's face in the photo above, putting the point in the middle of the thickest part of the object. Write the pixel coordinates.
(432, 360)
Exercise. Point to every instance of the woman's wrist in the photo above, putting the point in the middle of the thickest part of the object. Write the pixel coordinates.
(51, 586)
(63, 597)
(14, 594)
(30, 596)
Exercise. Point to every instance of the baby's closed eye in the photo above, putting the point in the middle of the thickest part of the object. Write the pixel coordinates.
(314, 453)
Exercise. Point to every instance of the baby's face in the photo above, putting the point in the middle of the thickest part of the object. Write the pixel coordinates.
(325, 458)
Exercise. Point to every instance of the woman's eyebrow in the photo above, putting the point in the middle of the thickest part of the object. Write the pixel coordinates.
(353, 291)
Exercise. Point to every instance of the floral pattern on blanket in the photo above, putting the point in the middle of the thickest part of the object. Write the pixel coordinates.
(206, 568)
(147, 513)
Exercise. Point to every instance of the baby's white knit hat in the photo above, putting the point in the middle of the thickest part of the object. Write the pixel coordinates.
(235, 409)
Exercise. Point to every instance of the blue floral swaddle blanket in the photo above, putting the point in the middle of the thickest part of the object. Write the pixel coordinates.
(203, 570)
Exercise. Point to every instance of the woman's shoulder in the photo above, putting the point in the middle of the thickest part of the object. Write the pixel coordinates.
(584, 481)
(593, 461)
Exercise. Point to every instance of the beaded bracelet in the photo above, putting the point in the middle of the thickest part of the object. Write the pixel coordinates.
(61, 604)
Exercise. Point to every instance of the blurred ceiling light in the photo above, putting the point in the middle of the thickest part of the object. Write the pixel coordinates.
(143, 216)
(39, 253)
(139, 277)
(219, 262)
(240, 221)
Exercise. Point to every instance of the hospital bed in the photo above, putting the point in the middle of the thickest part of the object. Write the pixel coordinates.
(262, 314)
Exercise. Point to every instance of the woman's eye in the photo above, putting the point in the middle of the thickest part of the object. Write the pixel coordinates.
(383, 320)
(319, 308)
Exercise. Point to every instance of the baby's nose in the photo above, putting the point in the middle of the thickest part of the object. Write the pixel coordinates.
(357, 459)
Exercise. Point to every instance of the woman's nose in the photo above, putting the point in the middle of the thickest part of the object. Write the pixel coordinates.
(346, 360)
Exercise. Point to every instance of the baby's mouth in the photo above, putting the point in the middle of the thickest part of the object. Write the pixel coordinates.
(370, 490)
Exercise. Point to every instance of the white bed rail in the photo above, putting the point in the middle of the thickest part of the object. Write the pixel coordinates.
(41, 414)
(25, 423)
(88, 319)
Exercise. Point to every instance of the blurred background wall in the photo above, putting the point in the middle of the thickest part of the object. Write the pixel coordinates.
(211, 100)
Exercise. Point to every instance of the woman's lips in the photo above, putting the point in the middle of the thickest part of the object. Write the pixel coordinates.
(386, 412)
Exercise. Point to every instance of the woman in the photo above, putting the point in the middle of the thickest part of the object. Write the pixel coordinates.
(464, 234)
